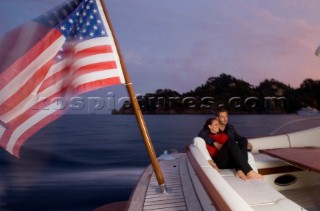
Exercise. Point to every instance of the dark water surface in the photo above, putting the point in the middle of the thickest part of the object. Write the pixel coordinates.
(81, 162)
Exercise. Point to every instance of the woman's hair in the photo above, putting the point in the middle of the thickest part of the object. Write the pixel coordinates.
(209, 122)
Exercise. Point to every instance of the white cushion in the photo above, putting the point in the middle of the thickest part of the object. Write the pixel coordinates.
(227, 172)
(270, 142)
(232, 198)
(201, 145)
(240, 194)
(200, 156)
(252, 162)
(254, 192)
(234, 201)
(282, 205)
(305, 138)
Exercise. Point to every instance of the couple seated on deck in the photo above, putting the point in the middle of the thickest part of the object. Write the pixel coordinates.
(226, 147)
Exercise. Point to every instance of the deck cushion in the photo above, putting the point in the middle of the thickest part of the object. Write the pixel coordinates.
(281, 205)
(254, 192)
(240, 194)
(304, 138)
(201, 145)
(279, 141)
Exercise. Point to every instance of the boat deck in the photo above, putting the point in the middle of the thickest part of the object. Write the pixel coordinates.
(180, 191)
(306, 197)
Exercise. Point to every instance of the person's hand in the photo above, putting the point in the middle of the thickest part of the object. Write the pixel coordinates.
(214, 165)
(249, 146)
(217, 145)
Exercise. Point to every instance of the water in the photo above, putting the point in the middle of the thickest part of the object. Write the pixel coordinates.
(81, 162)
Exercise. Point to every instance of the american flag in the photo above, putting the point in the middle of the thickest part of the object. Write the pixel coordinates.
(65, 52)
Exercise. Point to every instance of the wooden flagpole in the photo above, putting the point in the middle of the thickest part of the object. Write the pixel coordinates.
(140, 119)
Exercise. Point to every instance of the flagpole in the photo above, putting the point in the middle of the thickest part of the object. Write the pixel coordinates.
(136, 107)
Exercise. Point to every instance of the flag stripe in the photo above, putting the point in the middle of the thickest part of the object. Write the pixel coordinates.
(81, 71)
(32, 99)
(36, 125)
(55, 71)
(26, 88)
(93, 50)
(30, 59)
(96, 42)
(94, 76)
(84, 87)
(108, 65)
(42, 107)
(29, 123)
(92, 43)
(18, 41)
(2, 130)
(80, 84)
(92, 59)
(29, 102)
(29, 127)
(14, 84)
(53, 79)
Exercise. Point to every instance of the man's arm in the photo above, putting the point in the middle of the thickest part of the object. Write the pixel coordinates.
(204, 134)
(242, 141)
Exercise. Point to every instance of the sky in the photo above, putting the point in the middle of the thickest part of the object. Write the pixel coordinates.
(179, 44)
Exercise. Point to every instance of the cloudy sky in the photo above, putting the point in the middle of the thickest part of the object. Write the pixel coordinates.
(179, 44)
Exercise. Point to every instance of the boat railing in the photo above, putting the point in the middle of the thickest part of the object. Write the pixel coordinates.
(297, 125)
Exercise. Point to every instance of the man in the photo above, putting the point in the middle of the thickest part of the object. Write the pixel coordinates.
(231, 132)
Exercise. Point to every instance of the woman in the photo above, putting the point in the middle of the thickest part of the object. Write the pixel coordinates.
(225, 152)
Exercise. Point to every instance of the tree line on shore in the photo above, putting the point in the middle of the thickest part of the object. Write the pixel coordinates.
(238, 96)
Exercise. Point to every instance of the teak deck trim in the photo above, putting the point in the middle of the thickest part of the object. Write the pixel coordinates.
(181, 193)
